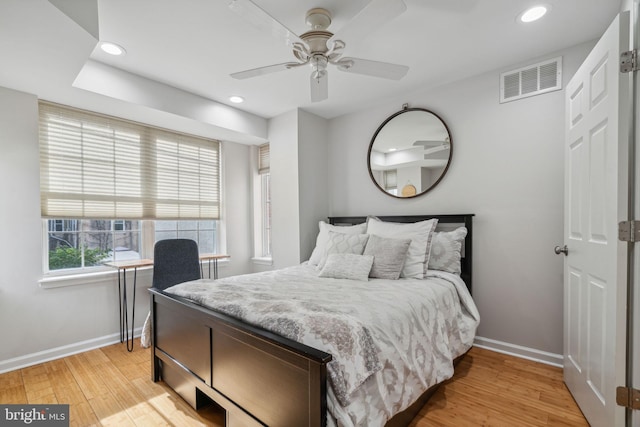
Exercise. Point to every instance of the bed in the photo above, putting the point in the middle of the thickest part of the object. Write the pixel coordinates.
(270, 360)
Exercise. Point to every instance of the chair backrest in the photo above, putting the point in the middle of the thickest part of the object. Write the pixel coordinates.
(175, 261)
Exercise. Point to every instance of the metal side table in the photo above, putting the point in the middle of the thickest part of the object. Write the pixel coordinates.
(211, 259)
(122, 267)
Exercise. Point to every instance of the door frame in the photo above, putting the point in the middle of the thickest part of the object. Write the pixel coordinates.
(633, 285)
(625, 176)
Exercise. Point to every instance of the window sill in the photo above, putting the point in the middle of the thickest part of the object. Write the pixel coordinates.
(107, 276)
(98, 277)
(262, 260)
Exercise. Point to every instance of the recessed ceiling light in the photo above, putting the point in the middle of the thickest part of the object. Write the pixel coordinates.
(392, 149)
(236, 99)
(533, 13)
(112, 48)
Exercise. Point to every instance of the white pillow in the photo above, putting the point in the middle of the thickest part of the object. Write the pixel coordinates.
(341, 243)
(417, 261)
(347, 266)
(319, 252)
(446, 250)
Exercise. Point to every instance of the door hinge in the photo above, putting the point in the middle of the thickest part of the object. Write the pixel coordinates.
(629, 61)
(629, 231)
(628, 397)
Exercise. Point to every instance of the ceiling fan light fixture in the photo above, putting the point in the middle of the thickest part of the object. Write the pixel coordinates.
(318, 74)
(534, 13)
(236, 99)
(112, 48)
(319, 67)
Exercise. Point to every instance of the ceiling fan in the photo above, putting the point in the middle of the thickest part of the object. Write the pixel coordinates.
(319, 48)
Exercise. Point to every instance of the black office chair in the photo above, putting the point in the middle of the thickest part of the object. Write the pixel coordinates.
(175, 261)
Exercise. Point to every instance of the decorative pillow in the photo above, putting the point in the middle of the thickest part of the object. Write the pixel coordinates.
(319, 252)
(446, 250)
(415, 265)
(347, 266)
(388, 256)
(340, 243)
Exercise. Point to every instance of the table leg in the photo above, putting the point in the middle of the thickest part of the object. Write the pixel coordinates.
(125, 310)
(215, 269)
(133, 310)
(120, 307)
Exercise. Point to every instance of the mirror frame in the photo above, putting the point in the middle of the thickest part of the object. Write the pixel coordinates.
(384, 123)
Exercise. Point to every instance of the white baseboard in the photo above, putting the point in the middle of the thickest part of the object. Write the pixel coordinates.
(59, 352)
(520, 351)
(68, 350)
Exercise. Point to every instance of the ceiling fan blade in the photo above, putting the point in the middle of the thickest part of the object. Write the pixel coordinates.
(376, 13)
(384, 70)
(319, 88)
(451, 6)
(261, 19)
(247, 74)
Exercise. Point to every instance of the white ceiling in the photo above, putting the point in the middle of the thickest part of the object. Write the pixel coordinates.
(194, 45)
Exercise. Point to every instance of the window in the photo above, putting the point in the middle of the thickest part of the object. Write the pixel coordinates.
(263, 200)
(391, 181)
(203, 232)
(266, 214)
(108, 186)
(80, 244)
(85, 243)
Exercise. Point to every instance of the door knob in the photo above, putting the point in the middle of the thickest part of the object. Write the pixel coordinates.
(561, 250)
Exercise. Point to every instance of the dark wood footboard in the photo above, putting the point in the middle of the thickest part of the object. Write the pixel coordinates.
(257, 377)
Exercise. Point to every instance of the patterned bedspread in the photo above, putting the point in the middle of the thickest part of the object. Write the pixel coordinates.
(390, 339)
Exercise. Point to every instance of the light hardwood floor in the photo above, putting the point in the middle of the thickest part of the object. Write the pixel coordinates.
(112, 387)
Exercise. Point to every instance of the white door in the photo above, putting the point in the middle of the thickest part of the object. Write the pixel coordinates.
(596, 185)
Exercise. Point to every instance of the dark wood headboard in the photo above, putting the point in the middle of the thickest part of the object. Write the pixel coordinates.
(453, 220)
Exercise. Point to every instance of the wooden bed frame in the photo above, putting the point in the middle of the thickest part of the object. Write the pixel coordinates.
(257, 377)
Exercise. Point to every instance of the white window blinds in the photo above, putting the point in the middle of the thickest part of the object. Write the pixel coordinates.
(263, 159)
(94, 166)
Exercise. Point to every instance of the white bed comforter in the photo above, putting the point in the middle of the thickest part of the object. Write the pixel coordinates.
(390, 339)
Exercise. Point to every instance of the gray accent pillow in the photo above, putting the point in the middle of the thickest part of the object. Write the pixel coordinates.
(415, 265)
(340, 243)
(446, 250)
(388, 256)
(347, 266)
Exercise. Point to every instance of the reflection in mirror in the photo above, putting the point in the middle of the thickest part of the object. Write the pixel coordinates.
(409, 153)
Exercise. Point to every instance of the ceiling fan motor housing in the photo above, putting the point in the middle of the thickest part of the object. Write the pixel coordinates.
(316, 40)
(318, 19)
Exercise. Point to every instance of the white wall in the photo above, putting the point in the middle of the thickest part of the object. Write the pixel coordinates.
(507, 169)
(285, 215)
(299, 192)
(313, 190)
(34, 319)
(38, 324)
(237, 208)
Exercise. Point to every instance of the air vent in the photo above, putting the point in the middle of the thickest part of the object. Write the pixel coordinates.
(531, 80)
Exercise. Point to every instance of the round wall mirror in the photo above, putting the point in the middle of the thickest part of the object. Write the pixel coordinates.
(409, 153)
